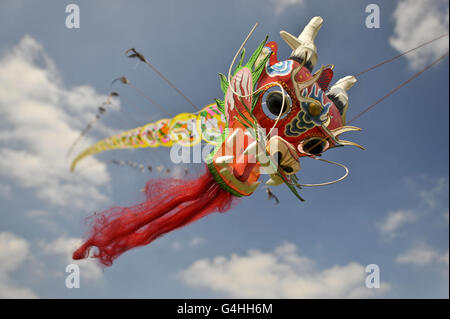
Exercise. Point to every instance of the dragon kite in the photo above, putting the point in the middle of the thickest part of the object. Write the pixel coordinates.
(273, 113)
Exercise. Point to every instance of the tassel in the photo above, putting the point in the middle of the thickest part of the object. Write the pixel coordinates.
(170, 204)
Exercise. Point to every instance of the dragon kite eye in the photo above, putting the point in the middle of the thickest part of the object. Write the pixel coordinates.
(314, 146)
(273, 104)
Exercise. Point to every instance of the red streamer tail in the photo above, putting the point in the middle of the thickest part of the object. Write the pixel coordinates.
(170, 204)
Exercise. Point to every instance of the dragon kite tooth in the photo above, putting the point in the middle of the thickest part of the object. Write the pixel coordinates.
(343, 129)
(342, 142)
(274, 180)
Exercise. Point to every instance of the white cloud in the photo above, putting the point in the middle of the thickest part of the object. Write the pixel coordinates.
(63, 248)
(39, 118)
(416, 22)
(432, 196)
(50, 263)
(14, 251)
(282, 273)
(281, 5)
(423, 255)
(395, 220)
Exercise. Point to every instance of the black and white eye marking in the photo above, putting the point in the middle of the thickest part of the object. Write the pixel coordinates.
(272, 103)
(313, 146)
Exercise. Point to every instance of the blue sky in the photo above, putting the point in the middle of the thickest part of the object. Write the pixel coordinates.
(392, 210)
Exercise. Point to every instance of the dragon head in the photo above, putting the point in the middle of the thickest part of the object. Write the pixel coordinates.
(278, 112)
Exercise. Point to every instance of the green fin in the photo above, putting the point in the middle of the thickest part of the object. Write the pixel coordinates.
(251, 62)
(220, 104)
(223, 83)
(257, 72)
(239, 65)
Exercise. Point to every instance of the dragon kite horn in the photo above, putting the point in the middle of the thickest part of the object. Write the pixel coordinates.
(303, 47)
(338, 94)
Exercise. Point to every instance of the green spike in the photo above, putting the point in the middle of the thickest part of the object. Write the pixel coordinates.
(256, 54)
(223, 83)
(220, 104)
(239, 65)
(257, 72)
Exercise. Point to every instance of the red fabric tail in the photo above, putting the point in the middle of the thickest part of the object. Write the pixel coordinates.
(170, 204)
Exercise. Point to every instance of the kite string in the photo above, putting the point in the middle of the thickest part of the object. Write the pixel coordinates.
(124, 80)
(172, 85)
(143, 59)
(401, 84)
(414, 76)
(148, 98)
(399, 55)
(127, 114)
